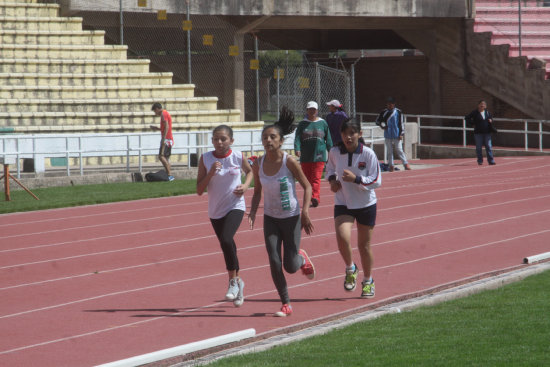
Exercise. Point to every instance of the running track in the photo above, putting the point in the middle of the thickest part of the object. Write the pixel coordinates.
(89, 285)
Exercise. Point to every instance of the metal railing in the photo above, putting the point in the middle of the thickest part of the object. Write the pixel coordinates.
(127, 146)
(539, 129)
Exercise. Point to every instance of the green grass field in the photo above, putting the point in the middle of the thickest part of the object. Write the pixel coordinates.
(509, 326)
(59, 197)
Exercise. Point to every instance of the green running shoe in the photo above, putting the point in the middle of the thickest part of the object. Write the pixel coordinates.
(351, 280)
(368, 289)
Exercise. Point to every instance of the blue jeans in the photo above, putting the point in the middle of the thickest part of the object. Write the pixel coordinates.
(396, 144)
(484, 140)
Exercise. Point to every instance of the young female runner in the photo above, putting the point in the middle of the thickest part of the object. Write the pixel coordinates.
(274, 173)
(220, 172)
(353, 172)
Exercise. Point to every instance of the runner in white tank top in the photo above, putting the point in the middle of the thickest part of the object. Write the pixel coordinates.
(221, 199)
(279, 192)
(274, 173)
(220, 172)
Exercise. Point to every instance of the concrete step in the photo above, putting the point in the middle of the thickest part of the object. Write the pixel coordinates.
(540, 54)
(18, 9)
(502, 24)
(18, 37)
(18, 1)
(119, 127)
(107, 105)
(74, 66)
(137, 79)
(532, 49)
(142, 118)
(508, 3)
(79, 52)
(42, 23)
(527, 13)
(93, 92)
(512, 37)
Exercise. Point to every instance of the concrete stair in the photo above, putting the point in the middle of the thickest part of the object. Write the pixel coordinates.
(73, 52)
(56, 77)
(103, 121)
(107, 105)
(22, 9)
(501, 19)
(521, 82)
(74, 79)
(85, 66)
(19, 37)
(93, 92)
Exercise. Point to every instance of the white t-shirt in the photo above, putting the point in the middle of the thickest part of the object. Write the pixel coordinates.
(279, 192)
(221, 199)
(364, 164)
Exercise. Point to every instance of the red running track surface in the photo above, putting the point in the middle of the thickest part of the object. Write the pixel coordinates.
(90, 285)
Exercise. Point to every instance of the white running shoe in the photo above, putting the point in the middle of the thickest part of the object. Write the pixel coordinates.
(232, 290)
(239, 299)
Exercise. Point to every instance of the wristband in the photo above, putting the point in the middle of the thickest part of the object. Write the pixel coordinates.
(357, 179)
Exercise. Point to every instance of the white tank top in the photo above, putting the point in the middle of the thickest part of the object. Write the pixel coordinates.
(279, 192)
(221, 199)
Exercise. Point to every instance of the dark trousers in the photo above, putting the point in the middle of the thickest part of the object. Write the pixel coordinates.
(286, 231)
(225, 229)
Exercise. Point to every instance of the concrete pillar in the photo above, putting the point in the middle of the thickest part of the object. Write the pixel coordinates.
(434, 82)
(238, 75)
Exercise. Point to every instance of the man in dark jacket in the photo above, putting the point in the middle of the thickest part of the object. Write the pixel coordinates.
(482, 121)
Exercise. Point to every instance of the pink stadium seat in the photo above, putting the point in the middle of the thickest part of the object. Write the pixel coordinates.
(501, 18)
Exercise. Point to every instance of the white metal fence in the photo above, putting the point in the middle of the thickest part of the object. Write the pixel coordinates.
(527, 134)
(131, 147)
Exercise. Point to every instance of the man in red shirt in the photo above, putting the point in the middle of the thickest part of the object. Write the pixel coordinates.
(166, 140)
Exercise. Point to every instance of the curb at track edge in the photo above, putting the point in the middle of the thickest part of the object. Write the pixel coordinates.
(430, 297)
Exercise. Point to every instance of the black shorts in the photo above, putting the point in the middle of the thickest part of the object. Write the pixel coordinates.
(365, 216)
(167, 151)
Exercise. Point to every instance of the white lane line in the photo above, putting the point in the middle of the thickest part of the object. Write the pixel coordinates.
(494, 192)
(257, 229)
(79, 208)
(326, 254)
(107, 224)
(253, 295)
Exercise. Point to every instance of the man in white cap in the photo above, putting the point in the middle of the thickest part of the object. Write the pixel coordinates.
(311, 144)
(334, 119)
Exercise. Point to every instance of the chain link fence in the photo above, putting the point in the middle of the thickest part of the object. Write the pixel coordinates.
(216, 56)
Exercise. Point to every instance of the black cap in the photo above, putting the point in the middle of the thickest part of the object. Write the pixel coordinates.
(390, 100)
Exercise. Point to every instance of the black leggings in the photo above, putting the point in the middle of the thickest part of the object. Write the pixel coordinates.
(288, 232)
(225, 229)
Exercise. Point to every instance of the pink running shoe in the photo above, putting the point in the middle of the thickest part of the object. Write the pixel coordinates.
(308, 269)
(286, 310)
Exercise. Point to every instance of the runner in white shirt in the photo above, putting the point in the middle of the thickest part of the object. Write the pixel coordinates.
(353, 172)
(220, 172)
(274, 172)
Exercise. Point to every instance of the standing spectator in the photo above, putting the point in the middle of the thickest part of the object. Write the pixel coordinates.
(391, 120)
(482, 120)
(353, 173)
(166, 138)
(311, 144)
(220, 173)
(275, 173)
(334, 119)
